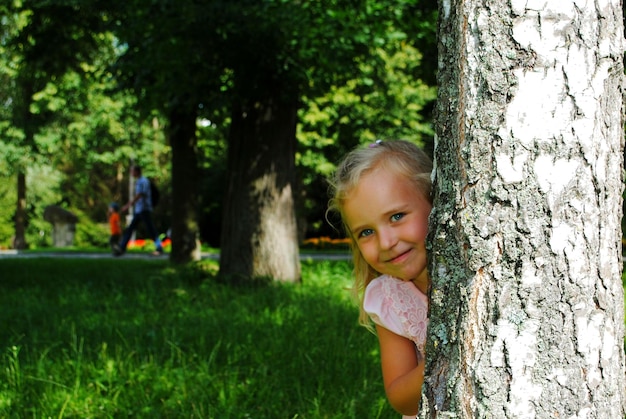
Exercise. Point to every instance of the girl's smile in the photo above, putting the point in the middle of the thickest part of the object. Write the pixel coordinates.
(400, 258)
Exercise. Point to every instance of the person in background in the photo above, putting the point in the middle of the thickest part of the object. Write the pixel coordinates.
(115, 226)
(142, 205)
(383, 194)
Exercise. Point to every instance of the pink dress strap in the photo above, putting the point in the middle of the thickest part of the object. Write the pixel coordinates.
(398, 306)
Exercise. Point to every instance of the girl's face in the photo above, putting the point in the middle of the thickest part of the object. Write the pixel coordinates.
(388, 219)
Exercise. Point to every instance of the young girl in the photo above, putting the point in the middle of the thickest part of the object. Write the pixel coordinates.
(383, 196)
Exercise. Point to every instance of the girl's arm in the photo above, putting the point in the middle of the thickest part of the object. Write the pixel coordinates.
(402, 374)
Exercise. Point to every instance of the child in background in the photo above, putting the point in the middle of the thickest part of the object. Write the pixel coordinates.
(383, 196)
(115, 226)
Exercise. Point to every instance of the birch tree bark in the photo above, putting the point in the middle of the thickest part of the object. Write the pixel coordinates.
(527, 305)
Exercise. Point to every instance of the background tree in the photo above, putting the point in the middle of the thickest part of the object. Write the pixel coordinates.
(170, 61)
(527, 314)
(37, 52)
(281, 52)
(257, 59)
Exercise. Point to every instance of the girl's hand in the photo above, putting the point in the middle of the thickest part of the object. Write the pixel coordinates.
(402, 374)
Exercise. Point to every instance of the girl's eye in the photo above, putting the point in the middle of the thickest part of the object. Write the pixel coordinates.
(366, 232)
(397, 217)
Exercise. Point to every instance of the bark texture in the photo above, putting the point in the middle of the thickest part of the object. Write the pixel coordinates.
(21, 218)
(23, 118)
(259, 232)
(185, 230)
(527, 306)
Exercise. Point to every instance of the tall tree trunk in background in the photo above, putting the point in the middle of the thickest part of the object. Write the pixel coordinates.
(527, 305)
(259, 233)
(19, 241)
(183, 141)
(23, 119)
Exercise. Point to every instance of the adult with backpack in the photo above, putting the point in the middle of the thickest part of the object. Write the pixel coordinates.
(143, 205)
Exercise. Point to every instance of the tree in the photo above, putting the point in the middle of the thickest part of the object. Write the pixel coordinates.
(527, 312)
(279, 52)
(38, 51)
(258, 59)
(169, 60)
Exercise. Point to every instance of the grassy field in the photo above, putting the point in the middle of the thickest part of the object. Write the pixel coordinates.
(91, 338)
(88, 338)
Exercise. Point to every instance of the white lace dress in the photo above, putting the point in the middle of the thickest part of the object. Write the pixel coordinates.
(400, 307)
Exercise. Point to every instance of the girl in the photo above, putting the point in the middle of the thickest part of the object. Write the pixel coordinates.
(383, 196)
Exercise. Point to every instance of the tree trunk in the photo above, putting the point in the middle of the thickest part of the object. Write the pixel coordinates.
(182, 136)
(19, 241)
(527, 305)
(23, 119)
(259, 233)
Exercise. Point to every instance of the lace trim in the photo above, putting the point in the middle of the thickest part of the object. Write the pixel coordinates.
(405, 301)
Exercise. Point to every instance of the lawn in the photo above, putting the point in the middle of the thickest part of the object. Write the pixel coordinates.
(90, 338)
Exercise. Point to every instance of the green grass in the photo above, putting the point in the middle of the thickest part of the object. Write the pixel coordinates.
(137, 338)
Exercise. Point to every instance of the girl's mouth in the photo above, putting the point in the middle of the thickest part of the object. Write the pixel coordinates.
(401, 257)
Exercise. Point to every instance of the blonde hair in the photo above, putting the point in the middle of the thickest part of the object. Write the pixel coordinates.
(400, 157)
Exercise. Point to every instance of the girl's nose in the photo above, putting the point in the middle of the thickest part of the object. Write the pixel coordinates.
(387, 238)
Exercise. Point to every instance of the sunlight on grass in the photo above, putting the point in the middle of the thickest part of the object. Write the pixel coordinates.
(118, 338)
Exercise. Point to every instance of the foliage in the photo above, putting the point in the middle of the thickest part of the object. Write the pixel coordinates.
(58, 112)
(83, 157)
(44, 185)
(385, 102)
(90, 234)
(97, 134)
(8, 197)
(358, 67)
(119, 338)
(90, 136)
(36, 52)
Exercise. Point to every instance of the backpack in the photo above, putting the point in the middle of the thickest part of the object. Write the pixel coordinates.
(154, 194)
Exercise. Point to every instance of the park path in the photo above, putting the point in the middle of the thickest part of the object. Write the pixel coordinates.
(8, 254)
